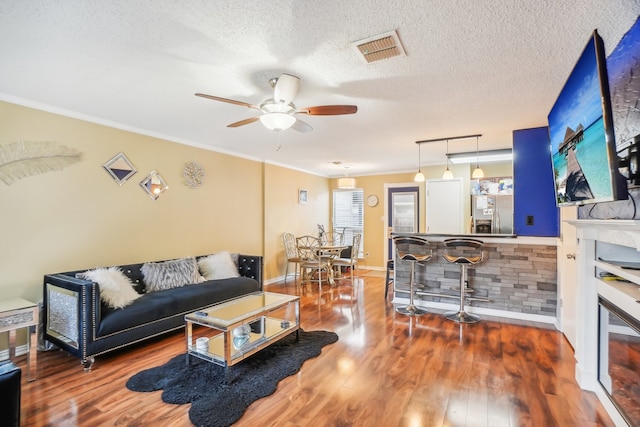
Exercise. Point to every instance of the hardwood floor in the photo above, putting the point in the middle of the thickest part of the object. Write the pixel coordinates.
(386, 370)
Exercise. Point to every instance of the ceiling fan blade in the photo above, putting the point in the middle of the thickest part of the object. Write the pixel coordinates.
(328, 110)
(244, 122)
(301, 126)
(286, 88)
(230, 101)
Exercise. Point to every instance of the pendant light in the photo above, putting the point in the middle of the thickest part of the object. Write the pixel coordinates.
(447, 173)
(419, 176)
(477, 172)
(346, 183)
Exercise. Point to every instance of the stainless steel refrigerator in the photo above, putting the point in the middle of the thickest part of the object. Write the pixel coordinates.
(492, 213)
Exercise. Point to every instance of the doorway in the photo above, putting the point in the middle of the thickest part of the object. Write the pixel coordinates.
(444, 207)
(402, 212)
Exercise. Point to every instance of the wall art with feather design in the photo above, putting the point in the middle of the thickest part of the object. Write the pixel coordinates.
(26, 158)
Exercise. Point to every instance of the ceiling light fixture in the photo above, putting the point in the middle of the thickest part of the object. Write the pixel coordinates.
(447, 173)
(477, 172)
(277, 121)
(419, 176)
(501, 155)
(346, 183)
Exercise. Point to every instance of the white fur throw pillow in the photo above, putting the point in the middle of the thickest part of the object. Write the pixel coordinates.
(116, 289)
(159, 276)
(218, 266)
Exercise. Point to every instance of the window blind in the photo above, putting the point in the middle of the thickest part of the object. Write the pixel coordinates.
(348, 215)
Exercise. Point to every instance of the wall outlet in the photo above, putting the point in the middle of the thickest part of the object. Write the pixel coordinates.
(529, 220)
(366, 254)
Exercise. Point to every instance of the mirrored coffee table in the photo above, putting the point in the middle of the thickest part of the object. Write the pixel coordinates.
(235, 329)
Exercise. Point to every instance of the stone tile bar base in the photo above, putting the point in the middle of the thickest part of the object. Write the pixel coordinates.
(518, 278)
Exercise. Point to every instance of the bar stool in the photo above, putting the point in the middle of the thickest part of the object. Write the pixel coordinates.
(389, 278)
(455, 253)
(404, 245)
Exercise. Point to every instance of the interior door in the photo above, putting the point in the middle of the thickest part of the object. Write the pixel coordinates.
(568, 274)
(445, 208)
(402, 212)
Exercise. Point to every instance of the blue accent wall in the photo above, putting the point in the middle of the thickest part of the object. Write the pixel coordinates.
(534, 203)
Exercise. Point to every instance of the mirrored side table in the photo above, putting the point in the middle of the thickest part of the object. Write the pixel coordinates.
(19, 313)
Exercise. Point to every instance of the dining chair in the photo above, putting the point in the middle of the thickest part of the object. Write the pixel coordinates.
(311, 260)
(291, 254)
(332, 238)
(352, 261)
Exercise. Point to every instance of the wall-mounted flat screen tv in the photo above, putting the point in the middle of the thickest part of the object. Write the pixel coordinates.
(581, 133)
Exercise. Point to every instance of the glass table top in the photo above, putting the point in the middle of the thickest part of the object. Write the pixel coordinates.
(233, 311)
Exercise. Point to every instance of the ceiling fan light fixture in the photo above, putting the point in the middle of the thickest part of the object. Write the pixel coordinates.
(279, 112)
(277, 121)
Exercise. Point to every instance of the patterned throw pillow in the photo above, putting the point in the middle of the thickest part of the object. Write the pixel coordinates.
(218, 266)
(159, 276)
(116, 289)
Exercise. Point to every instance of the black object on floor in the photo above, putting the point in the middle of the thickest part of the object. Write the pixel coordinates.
(213, 403)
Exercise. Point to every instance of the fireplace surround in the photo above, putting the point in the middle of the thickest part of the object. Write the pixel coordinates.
(607, 310)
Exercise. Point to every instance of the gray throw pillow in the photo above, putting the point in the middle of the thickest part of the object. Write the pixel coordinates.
(163, 275)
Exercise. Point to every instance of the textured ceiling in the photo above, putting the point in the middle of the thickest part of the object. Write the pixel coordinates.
(471, 67)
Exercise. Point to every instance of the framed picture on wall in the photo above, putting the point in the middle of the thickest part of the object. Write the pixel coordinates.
(302, 197)
(120, 168)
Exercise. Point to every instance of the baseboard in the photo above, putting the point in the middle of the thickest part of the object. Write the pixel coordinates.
(279, 279)
(611, 409)
(274, 280)
(440, 306)
(20, 350)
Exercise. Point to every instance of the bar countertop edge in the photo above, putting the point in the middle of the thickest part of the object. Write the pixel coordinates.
(508, 239)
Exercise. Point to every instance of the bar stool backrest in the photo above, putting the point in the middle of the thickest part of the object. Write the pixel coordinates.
(463, 250)
(412, 248)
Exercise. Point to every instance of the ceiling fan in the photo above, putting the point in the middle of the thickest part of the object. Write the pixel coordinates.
(279, 112)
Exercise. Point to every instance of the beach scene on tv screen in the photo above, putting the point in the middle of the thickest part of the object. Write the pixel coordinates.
(578, 138)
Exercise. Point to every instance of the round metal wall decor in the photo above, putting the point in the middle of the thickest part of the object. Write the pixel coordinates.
(193, 174)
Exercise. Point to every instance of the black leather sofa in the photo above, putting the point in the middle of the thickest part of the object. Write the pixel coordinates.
(77, 321)
(10, 376)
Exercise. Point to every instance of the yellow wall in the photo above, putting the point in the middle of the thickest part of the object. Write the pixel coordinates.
(374, 236)
(283, 213)
(496, 170)
(80, 218)
(375, 232)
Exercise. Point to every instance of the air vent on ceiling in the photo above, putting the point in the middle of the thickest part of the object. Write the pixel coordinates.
(382, 46)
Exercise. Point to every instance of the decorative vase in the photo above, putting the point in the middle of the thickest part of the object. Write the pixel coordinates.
(241, 336)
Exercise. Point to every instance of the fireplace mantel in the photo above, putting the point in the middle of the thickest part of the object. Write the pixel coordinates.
(621, 232)
(601, 245)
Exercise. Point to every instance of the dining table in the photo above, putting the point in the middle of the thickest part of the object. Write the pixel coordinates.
(329, 252)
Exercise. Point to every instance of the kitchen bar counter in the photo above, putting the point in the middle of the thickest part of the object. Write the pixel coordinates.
(518, 275)
(489, 238)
